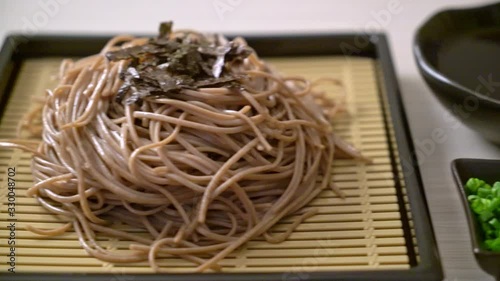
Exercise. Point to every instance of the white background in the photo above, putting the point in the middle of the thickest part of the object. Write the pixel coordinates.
(398, 18)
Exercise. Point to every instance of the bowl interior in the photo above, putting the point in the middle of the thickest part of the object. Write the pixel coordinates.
(462, 48)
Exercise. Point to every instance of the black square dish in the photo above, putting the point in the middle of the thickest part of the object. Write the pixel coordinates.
(423, 256)
(489, 171)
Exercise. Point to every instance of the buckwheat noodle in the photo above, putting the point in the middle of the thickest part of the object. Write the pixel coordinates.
(195, 176)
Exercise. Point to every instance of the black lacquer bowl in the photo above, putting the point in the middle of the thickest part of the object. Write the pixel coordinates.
(458, 54)
(489, 171)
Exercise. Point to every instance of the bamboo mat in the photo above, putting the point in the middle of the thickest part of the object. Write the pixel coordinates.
(364, 231)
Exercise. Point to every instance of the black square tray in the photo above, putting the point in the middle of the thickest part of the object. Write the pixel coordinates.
(425, 267)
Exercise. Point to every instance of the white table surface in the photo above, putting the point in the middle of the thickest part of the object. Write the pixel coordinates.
(398, 18)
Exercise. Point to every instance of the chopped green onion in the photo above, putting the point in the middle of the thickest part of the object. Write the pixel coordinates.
(495, 223)
(473, 184)
(493, 244)
(484, 201)
(496, 189)
(484, 192)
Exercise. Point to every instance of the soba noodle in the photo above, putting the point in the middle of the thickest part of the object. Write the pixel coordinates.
(200, 173)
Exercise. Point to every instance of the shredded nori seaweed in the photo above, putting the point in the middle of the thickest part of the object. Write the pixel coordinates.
(166, 65)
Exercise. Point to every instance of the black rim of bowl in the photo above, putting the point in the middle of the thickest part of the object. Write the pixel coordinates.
(430, 70)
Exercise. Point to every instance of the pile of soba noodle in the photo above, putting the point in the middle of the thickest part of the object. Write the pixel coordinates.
(200, 172)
